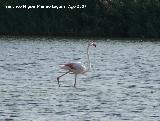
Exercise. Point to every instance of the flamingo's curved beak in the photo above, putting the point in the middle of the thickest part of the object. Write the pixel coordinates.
(94, 44)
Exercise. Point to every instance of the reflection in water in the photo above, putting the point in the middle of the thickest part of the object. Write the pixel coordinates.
(124, 85)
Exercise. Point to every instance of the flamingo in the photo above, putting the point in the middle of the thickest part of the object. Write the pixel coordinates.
(77, 67)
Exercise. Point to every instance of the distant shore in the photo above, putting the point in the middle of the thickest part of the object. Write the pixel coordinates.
(89, 37)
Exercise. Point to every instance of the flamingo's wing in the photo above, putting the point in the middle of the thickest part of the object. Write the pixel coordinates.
(77, 66)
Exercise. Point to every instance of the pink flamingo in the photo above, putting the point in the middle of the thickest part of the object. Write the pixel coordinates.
(77, 67)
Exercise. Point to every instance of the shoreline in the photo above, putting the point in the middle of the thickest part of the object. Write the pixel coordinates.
(93, 37)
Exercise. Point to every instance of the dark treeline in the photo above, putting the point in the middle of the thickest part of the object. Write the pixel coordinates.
(109, 18)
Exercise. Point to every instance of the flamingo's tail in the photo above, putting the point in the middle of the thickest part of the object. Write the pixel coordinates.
(64, 67)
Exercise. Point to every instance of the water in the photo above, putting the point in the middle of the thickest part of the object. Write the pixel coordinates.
(123, 85)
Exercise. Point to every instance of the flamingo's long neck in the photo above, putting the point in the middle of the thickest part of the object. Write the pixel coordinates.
(89, 62)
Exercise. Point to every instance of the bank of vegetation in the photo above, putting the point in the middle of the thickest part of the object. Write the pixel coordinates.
(107, 18)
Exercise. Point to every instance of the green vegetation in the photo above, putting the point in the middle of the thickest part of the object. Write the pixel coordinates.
(108, 18)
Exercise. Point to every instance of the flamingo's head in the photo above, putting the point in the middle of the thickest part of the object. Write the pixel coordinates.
(92, 43)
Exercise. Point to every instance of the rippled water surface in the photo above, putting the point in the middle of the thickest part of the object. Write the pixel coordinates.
(124, 83)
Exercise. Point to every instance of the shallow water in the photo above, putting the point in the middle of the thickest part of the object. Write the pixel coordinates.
(124, 83)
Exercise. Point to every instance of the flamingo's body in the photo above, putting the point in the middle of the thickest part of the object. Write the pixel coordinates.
(77, 67)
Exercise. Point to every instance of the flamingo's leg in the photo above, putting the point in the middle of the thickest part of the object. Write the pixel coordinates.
(61, 76)
(75, 80)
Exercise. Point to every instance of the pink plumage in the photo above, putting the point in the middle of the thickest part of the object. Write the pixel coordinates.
(76, 67)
